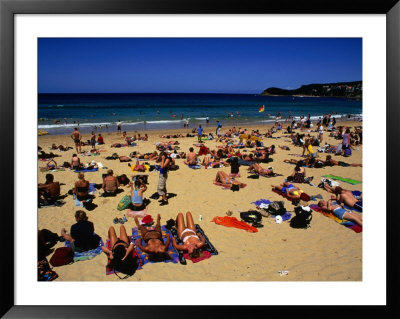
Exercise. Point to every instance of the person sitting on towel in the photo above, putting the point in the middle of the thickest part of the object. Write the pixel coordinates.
(110, 183)
(76, 162)
(344, 196)
(154, 243)
(191, 157)
(81, 237)
(261, 171)
(49, 191)
(81, 189)
(192, 241)
(339, 211)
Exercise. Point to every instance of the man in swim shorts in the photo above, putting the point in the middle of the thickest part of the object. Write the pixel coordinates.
(345, 196)
(191, 157)
(339, 211)
(77, 136)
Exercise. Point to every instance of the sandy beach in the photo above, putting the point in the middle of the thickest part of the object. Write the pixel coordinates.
(326, 251)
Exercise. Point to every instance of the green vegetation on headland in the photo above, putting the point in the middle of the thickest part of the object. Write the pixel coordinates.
(351, 90)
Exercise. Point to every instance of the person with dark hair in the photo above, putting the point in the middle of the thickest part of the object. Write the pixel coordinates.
(200, 133)
(346, 139)
(191, 157)
(192, 241)
(137, 195)
(77, 136)
(76, 162)
(100, 139)
(339, 211)
(154, 243)
(299, 173)
(81, 189)
(82, 236)
(120, 255)
(49, 191)
(235, 166)
(329, 161)
(344, 196)
(93, 141)
(165, 164)
(260, 170)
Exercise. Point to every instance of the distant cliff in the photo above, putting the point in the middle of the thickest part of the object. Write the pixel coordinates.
(340, 89)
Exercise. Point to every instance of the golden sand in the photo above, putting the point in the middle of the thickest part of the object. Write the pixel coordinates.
(327, 251)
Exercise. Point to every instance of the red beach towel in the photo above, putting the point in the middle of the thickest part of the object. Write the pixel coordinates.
(234, 222)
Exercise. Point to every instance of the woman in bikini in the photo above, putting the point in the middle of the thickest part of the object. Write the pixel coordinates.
(154, 243)
(81, 189)
(261, 171)
(120, 255)
(227, 181)
(192, 241)
(292, 192)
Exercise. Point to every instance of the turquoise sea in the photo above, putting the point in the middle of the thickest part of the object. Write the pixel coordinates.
(60, 113)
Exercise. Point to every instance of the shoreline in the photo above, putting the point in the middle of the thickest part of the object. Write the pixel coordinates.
(88, 128)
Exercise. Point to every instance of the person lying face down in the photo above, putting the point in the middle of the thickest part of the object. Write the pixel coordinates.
(154, 244)
(192, 241)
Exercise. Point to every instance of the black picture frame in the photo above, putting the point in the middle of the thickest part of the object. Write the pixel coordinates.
(9, 8)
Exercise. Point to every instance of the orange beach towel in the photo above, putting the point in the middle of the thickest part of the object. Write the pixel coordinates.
(234, 222)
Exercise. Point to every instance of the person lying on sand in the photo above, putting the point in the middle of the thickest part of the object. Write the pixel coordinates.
(154, 244)
(339, 211)
(192, 241)
(344, 196)
(331, 162)
(225, 180)
(261, 171)
(292, 192)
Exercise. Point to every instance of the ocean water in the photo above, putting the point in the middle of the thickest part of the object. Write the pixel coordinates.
(60, 113)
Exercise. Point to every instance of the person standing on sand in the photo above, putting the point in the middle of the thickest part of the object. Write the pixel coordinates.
(119, 126)
(199, 133)
(219, 125)
(162, 180)
(77, 136)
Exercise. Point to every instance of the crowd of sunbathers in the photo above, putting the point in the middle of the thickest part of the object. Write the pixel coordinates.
(238, 147)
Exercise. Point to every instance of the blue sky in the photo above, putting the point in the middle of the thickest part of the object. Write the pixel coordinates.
(194, 65)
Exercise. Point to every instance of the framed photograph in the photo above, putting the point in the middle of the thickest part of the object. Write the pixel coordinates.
(72, 72)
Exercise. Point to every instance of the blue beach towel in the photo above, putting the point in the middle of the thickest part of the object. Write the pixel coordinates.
(144, 259)
(86, 170)
(86, 255)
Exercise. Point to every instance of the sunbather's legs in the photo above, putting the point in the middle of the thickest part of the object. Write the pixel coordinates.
(353, 217)
(143, 230)
(158, 224)
(190, 222)
(123, 235)
(180, 222)
(112, 236)
(329, 189)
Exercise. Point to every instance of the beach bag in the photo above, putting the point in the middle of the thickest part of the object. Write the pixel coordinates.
(253, 217)
(62, 256)
(235, 187)
(124, 203)
(44, 271)
(303, 217)
(347, 152)
(173, 167)
(276, 208)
